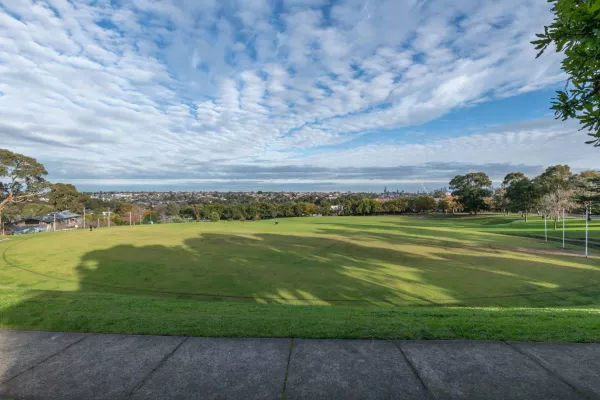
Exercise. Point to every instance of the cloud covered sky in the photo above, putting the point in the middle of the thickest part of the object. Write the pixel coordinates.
(281, 94)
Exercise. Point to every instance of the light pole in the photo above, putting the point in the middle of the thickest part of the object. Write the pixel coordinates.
(545, 229)
(586, 230)
(563, 216)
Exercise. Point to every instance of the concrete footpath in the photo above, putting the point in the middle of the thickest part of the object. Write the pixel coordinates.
(47, 365)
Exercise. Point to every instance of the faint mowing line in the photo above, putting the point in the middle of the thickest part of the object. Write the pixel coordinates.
(200, 294)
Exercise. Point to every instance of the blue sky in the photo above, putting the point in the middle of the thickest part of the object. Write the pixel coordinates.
(280, 94)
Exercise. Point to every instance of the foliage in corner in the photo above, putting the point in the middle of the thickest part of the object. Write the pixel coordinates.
(575, 31)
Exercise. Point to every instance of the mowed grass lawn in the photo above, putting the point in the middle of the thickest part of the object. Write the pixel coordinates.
(404, 277)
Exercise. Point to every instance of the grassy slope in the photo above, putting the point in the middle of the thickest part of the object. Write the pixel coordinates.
(31, 301)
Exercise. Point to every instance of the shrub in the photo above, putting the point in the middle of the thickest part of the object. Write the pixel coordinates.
(214, 216)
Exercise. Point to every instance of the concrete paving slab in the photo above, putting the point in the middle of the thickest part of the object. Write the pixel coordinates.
(350, 369)
(576, 363)
(98, 367)
(20, 350)
(205, 368)
(482, 370)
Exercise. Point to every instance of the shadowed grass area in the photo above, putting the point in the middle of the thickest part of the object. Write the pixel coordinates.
(381, 277)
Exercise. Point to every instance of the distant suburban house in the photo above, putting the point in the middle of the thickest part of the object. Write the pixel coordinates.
(44, 223)
(65, 219)
(31, 221)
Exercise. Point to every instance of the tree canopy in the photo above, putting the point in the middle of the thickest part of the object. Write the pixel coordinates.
(172, 209)
(575, 31)
(520, 192)
(66, 197)
(471, 190)
(555, 178)
(21, 178)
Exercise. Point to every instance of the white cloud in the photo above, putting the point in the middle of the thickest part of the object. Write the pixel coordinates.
(150, 88)
(536, 143)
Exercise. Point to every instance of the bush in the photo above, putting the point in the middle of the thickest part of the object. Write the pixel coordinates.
(118, 220)
(214, 216)
(257, 218)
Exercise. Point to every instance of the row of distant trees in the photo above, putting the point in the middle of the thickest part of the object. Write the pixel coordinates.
(548, 194)
(174, 212)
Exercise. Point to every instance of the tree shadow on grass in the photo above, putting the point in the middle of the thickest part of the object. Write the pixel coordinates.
(351, 269)
(440, 231)
(404, 235)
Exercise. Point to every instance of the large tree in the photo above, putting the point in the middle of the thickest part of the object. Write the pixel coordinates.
(171, 209)
(424, 204)
(21, 178)
(471, 190)
(521, 193)
(500, 202)
(66, 197)
(588, 194)
(556, 177)
(575, 31)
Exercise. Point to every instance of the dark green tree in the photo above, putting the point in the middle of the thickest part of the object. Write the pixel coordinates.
(172, 209)
(556, 177)
(425, 204)
(521, 193)
(21, 178)
(348, 209)
(363, 206)
(588, 194)
(471, 190)
(123, 208)
(64, 196)
(575, 31)
(325, 208)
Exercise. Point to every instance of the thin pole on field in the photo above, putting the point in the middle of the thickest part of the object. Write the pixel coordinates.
(545, 229)
(130, 220)
(83, 218)
(586, 230)
(108, 218)
(563, 228)
(98, 226)
(54, 223)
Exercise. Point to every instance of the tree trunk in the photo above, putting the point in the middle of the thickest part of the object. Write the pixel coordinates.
(7, 200)
(555, 221)
(525, 216)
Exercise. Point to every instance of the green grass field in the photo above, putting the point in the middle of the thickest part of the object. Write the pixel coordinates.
(408, 277)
